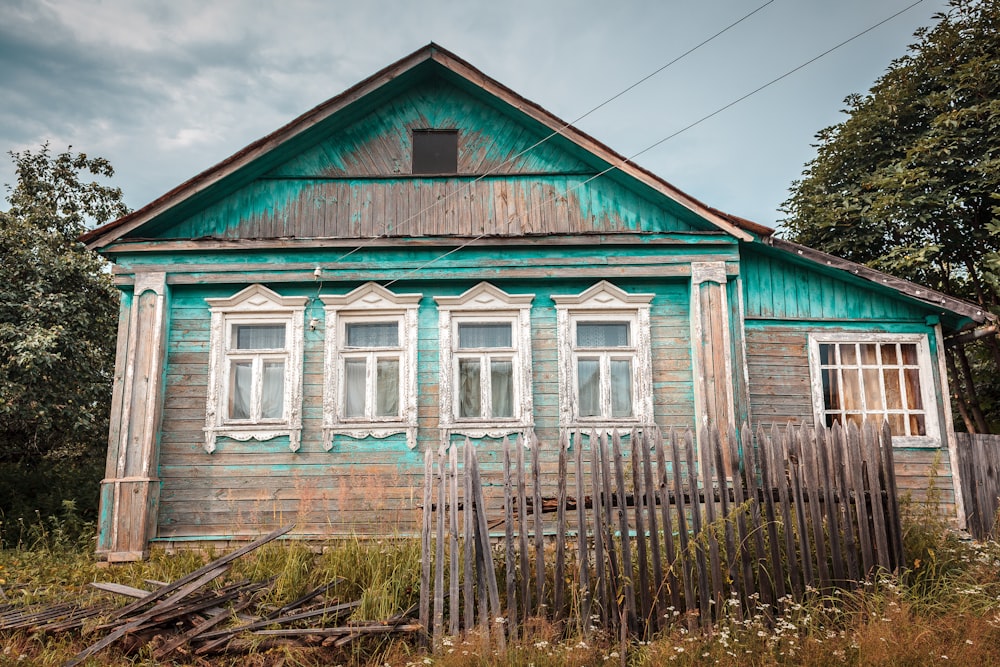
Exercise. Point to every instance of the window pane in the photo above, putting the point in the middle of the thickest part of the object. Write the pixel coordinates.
(602, 334)
(889, 357)
(909, 351)
(896, 424)
(852, 389)
(484, 335)
(869, 356)
(469, 397)
(272, 394)
(826, 355)
(589, 379)
(831, 390)
(259, 336)
(848, 354)
(912, 378)
(241, 375)
(373, 334)
(354, 387)
(502, 387)
(893, 397)
(387, 388)
(873, 389)
(917, 426)
(621, 388)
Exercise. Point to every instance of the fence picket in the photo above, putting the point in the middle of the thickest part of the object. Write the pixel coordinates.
(560, 582)
(453, 540)
(810, 447)
(628, 587)
(522, 530)
(509, 556)
(583, 576)
(597, 511)
(830, 502)
(648, 440)
(775, 577)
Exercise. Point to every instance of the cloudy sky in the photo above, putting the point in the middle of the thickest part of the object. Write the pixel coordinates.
(167, 88)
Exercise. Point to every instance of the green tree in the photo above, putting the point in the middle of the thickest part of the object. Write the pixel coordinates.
(909, 183)
(58, 315)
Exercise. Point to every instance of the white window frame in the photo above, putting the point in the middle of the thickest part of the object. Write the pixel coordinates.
(604, 302)
(926, 375)
(366, 304)
(254, 305)
(485, 303)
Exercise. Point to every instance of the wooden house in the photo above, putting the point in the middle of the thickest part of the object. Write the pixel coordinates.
(430, 256)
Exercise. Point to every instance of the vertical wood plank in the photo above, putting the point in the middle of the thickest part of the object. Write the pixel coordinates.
(872, 462)
(708, 491)
(425, 545)
(496, 611)
(723, 471)
(811, 468)
(583, 576)
(794, 457)
(560, 575)
(651, 438)
(439, 562)
(600, 586)
(740, 483)
(838, 449)
(627, 581)
(511, 574)
(642, 556)
(453, 613)
(830, 503)
(779, 466)
(536, 511)
(704, 594)
(522, 528)
(684, 554)
(861, 501)
(611, 595)
(773, 578)
(888, 473)
(468, 540)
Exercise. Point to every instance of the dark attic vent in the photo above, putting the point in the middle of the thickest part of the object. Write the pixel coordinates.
(435, 152)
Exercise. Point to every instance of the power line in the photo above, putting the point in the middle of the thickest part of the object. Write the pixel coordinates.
(678, 132)
(554, 133)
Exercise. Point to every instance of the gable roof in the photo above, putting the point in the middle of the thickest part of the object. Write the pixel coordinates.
(383, 82)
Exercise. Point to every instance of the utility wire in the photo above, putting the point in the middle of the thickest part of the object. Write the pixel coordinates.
(554, 133)
(674, 134)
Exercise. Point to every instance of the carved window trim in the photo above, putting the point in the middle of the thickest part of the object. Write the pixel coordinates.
(485, 303)
(604, 302)
(924, 366)
(370, 303)
(254, 305)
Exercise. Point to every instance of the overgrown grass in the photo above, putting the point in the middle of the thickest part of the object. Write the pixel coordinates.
(944, 607)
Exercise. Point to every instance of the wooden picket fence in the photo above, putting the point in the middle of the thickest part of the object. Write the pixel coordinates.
(635, 531)
(979, 471)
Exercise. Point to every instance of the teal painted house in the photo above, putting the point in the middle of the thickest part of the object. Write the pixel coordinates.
(429, 256)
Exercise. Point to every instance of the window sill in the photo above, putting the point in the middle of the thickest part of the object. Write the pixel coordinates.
(258, 432)
(361, 430)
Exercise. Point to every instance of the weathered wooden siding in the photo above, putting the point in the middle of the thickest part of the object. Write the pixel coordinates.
(490, 141)
(362, 486)
(353, 208)
(781, 289)
(778, 362)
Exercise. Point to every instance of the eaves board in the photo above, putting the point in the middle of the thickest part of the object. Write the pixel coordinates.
(955, 313)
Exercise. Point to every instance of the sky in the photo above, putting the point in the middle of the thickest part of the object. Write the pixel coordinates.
(167, 88)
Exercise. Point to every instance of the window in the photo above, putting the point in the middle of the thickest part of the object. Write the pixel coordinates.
(485, 386)
(604, 354)
(255, 374)
(605, 373)
(879, 377)
(370, 369)
(435, 152)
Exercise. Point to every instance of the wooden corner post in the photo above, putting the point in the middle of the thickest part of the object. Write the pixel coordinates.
(130, 488)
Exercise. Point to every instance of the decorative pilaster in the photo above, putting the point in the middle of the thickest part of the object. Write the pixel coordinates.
(712, 349)
(130, 488)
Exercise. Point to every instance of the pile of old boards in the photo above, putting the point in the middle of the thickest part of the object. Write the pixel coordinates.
(189, 617)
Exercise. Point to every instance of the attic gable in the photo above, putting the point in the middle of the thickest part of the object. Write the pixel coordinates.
(266, 177)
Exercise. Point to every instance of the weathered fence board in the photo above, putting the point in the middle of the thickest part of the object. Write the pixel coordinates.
(978, 456)
(691, 533)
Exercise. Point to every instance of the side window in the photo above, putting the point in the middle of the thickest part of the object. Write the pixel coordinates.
(878, 377)
(605, 370)
(255, 369)
(370, 379)
(485, 376)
